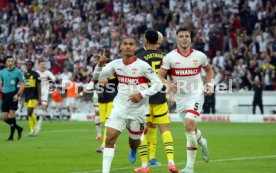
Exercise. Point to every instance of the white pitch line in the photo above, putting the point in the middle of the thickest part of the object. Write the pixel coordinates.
(219, 160)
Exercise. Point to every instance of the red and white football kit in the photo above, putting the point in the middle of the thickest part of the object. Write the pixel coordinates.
(185, 71)
(45, 77)
(132, 78)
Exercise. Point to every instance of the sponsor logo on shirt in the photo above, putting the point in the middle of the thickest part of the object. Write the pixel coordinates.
(185, 72)
(129, 80)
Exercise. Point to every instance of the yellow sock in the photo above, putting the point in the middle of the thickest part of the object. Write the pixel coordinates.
(152, 140)
(143, 150)
(104, 137)
(168, 143)
(31, 124)
(34, 119)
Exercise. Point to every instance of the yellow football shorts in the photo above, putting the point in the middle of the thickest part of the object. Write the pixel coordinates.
(31, 103)
(158, 114)
(105, 110)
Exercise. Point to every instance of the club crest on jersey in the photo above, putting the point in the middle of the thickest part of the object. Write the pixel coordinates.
(195, 63)
(134, 70)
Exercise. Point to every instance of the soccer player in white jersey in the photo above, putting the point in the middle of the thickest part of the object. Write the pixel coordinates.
(131, 101)
(45, 76)
(184, 65)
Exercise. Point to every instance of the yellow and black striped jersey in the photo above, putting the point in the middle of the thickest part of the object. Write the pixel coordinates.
(31, 81)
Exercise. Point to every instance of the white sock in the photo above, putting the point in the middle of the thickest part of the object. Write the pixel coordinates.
(191, 148)
(171, 162)
(108, 155)
(98, 126)
(39, 123)
(199, 136)
(144, 164)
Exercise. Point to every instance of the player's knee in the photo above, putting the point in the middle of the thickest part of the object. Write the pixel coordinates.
(110, 141)
(4, 118)
(190, 125)
(163, 128)
(151, 125)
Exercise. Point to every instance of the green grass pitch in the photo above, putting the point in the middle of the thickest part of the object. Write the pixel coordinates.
(67, 147)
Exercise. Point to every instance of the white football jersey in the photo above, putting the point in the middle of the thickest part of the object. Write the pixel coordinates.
(185, 71)
(45, 77)
(132, 78)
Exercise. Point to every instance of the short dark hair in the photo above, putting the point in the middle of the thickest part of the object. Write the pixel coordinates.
(152, 36)
(41, 60)
(132, 37)
(8, 57)
(183, 29)
(31, 62)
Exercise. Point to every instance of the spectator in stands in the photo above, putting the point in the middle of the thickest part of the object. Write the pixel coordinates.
(268, 73)
(37, 29)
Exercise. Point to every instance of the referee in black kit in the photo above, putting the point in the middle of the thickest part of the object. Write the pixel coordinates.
(10, 77)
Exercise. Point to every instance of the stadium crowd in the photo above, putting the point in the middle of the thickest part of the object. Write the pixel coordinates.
(237, 35)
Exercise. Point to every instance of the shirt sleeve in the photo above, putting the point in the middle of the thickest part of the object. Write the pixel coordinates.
(51, 76)
(107, 71)
(156, 84)
(204, 60)
(166, 63)
(20, 76)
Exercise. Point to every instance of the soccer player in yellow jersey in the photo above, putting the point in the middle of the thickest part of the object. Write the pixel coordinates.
(32, 94)
(158, 112)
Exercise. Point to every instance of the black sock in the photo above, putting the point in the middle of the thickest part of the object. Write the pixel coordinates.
(13, 121)
(13, 126)
(8, 121)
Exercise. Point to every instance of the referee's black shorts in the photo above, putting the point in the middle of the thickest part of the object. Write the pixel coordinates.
(8, 103)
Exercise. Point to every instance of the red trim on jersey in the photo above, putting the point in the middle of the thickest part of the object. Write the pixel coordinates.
(164, 68)
(191, 51)
(193, 112)
(191, 148)
(130, 80)
(132, 61)
(135, 133)
(184, 71)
